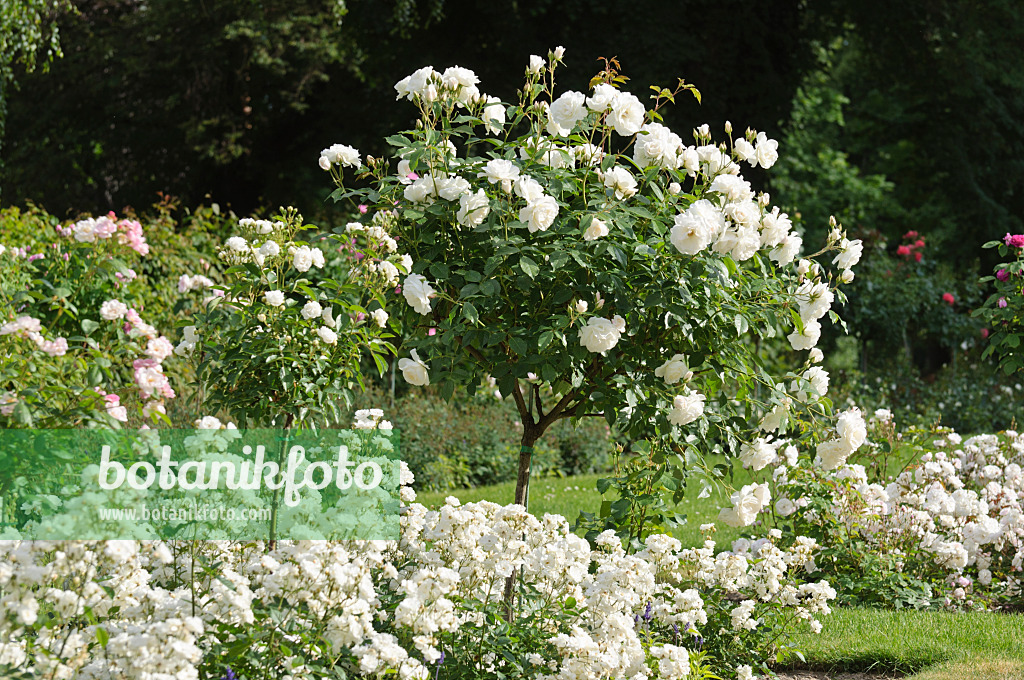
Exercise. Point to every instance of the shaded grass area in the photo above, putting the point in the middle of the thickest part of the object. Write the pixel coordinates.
(923, 645)
(568, 496)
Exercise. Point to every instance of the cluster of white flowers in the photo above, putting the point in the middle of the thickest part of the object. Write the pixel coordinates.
(962, 503)
(339, 154)
(851, 431)
(427, 85)
(388, 607)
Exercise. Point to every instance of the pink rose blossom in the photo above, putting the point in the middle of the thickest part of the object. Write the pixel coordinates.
(948, 298)
(1014, 240)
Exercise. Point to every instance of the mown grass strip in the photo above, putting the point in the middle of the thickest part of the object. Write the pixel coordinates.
(926, 645)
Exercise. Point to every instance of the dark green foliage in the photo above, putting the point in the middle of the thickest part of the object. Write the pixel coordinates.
(476, 442)
(236, 98)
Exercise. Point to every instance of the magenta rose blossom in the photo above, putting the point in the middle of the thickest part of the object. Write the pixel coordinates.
(1014, 240)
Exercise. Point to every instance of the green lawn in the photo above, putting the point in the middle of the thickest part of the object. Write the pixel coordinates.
(569, 496)
(934, 645)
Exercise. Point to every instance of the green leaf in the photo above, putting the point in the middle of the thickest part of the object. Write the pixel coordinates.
(545, 339)
(519, 346)
(490, 287)
(102, 637)
(88, 326)
(506, 384)
(447, 390)
(558, 258)
(529, 267)
(22, 414)
(470, 312)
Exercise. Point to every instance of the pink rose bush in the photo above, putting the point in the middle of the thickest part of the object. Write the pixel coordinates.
(90, 349)
(1003, 311)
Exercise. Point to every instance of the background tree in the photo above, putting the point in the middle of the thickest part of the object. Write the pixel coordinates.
(29, 36)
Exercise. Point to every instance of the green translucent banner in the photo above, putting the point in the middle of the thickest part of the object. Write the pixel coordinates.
(199, 484)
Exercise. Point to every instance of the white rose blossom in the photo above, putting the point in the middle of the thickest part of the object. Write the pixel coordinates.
(327, 335)
(627, 116)
(597, 229)
(686, 408)
(414, 370)
(539, 215)
(600, 334)
(674, 370)
(621, 181)
(112, 310)
(274, 298)
(696, 227)
(746, 504)
(565, 112)
(417, 293)
(493, 115)
(473, 209)
(499, 170)
(766, 151)
(849, 255)
(311, 310)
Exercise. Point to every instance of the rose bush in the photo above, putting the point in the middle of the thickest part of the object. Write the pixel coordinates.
(75, 340)
(427, 605)
(925, 519)
(578, 239)
(1004, 309)
(278, 342)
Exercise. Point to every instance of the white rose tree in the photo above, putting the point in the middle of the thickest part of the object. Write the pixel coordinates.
(576, 252)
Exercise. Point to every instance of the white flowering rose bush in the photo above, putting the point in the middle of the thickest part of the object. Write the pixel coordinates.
(923, 519)
(576, 238)
(427, 605)
(279, 341)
